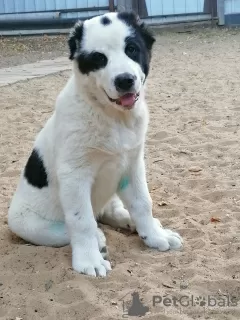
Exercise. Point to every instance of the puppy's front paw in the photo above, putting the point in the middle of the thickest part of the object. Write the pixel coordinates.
(162, 239)
(90, 263)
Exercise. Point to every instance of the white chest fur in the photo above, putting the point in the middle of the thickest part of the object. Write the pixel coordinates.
(106, 140)
(115, 148)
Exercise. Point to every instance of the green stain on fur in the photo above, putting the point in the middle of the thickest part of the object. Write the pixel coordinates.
(124, 182)
(57, 226)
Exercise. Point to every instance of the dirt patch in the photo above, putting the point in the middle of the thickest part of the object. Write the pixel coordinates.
(20, 50)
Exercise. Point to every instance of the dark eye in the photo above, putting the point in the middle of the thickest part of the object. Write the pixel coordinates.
(131, 49)
(99, 57)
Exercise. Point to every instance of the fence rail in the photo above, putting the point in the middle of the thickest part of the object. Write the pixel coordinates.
(53, 14)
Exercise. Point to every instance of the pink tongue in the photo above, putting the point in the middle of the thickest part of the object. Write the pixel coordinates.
(127, 100)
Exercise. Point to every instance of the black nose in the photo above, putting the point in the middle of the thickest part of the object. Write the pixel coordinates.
(124, 81)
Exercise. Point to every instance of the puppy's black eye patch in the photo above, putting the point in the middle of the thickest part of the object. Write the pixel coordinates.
(99, 58)
(131, 50)
(135, 49)
(88, 62)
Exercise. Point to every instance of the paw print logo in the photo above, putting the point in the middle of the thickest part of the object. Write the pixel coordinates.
(200, 301)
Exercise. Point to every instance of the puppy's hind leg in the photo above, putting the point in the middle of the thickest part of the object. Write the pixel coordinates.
(115, 215)
(34, 229)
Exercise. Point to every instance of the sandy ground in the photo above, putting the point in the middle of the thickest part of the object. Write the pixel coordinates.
(20, 50)
(193, 166)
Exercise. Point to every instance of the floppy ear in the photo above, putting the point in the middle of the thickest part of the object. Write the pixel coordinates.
(147, 35)
(145, 32)
(75, 38)
(134, 20)
(129, 18)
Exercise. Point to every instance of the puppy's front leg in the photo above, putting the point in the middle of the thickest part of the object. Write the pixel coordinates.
(75, 194)
(137, 200)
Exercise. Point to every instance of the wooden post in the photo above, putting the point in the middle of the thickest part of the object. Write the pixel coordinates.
(137, 6)
(111, 6)
(124, 5)
(141, 8)
(210, 6)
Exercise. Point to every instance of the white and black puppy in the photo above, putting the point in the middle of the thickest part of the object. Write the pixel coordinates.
(88, 160)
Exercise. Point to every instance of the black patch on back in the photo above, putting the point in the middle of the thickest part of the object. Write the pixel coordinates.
(35, 172)
(141, 38)
(105, 21)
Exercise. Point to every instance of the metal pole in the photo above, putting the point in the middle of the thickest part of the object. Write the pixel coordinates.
(221, 12)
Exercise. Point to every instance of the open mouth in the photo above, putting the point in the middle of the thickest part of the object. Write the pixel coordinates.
(127, 100)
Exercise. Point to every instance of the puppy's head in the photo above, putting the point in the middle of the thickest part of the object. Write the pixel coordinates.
(111, 55)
